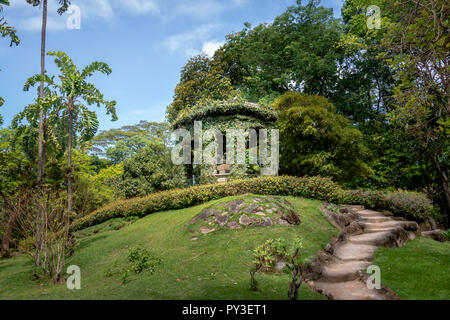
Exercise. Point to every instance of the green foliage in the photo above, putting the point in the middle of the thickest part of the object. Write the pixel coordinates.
(295, 52)
(314, 140)
(266, 256)
(149, 170)
(309, 187)
(6, 30)
(410, 205)
(138, 261)
(141, 259)
(212, 114)
(132, 137)
(201, 80)
(446, 234)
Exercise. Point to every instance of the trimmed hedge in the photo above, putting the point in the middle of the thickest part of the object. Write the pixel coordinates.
(409, 205)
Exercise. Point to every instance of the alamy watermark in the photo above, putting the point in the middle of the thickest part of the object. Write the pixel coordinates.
(209, 147)
(374, 19)
(374, 280)
(74, 280)
(73, 21)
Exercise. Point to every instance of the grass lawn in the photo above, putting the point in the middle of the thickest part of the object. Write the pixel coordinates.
(216, 266)
(419, 270)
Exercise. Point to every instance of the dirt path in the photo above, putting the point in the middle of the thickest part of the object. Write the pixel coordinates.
(339, 276)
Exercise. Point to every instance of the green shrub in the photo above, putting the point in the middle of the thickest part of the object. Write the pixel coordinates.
(407, 204)
(446, 234)
(410, 205)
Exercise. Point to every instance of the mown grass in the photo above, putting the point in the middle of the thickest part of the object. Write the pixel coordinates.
(216, 266)
(418, 271)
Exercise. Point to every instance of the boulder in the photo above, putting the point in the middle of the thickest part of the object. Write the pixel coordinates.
(245, 220)
(435, 235)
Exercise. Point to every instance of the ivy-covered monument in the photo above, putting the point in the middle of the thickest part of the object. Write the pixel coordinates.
(217, 132)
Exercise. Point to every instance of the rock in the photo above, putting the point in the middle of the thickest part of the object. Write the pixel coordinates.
(435, 235)
(269, 210)
(343, 210)
(245, 220)
(235, 206)
(259, 213)
(354, 228)
(257, 200)
(267, 222)
(194, 238)
(252, 208)
(282, 222)
(233, 225)
(206, 230)
(222, 218)
(329, 248)
(279, 266)
(291, 217)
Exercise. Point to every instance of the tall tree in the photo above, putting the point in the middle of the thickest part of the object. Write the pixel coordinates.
(41, 143)
(74, 92)
(314, 140)
(42, 116)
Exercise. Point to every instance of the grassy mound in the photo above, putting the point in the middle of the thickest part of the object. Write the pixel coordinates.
(242, 212)
(417, 271)
(216, 266)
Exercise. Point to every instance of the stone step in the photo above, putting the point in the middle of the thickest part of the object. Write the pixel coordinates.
(376, 219)
(369, 213)
(343, 271)
(381, 225)
(349, 290)
(373, 238)
(379, 230)
(352, 251)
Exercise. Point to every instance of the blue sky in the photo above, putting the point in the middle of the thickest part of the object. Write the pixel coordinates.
(145, 42)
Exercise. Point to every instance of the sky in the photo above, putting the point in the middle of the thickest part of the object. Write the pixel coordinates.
(145, 42)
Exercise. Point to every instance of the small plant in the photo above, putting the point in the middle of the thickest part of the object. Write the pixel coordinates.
(446, 234)
(333, 208)
(295, 266)
(265, 257)
(141, 259)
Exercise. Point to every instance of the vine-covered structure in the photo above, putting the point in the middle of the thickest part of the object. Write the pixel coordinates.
(223, 117)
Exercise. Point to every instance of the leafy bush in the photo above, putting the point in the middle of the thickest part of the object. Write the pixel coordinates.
(410, 205)
(139, 260)
(446, 234)
(407, 204)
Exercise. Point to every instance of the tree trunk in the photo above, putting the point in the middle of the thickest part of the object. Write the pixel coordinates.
(70, 237)
(444, 177)
(69, 160)
(41, 143)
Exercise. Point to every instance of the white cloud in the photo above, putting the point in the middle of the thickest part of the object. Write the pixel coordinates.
(35, 24)
(26, 16)
(189, 41)
(210, 47)
(204, 8)
(140, 6)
